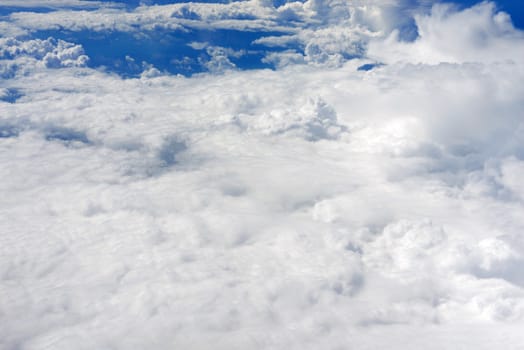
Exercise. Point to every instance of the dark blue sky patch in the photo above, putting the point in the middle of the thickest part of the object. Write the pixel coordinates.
(407, 29)
(10, 95)
(369, 66)
(7, 10)
(167, 50)
(515, 8)
(65, 135)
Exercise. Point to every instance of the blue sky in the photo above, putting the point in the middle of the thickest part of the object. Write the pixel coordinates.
(514, 8)
(170, 50)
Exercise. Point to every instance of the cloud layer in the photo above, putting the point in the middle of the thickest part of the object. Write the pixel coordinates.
(317, 205)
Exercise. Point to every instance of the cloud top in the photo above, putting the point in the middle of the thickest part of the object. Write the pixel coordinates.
(365, 189)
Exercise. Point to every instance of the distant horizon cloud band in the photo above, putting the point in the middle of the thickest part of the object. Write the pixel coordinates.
(261, 174)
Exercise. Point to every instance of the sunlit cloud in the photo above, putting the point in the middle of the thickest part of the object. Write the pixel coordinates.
(260, 175)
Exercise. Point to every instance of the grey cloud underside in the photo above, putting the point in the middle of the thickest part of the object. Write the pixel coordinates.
(314, 206)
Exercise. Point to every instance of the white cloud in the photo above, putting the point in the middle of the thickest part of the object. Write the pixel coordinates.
(218, 61)
(488, 37)
(23, 56)
(329, 30)
(173, 16)
(313, 120)
(284, 58)
(320, 205)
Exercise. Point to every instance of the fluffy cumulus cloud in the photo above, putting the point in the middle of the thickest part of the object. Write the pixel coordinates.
(22, 57)
(315, 205)
(443, 36)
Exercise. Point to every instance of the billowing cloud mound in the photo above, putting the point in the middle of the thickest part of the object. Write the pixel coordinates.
(362, 191)
(48, 53)
(444, 37)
